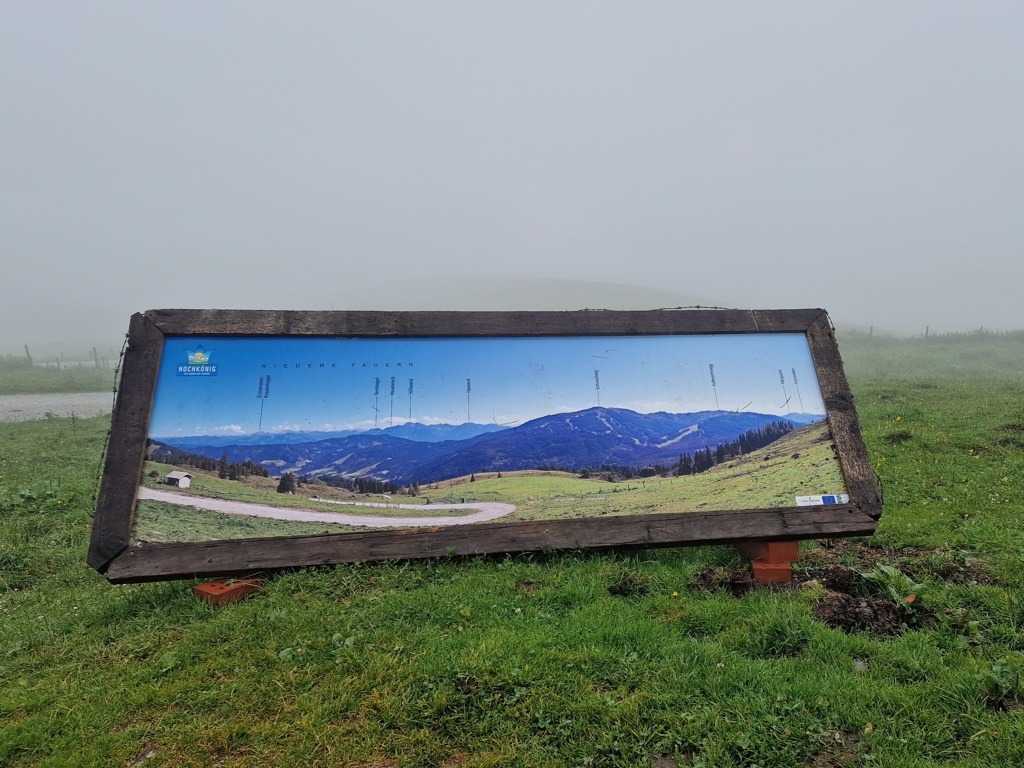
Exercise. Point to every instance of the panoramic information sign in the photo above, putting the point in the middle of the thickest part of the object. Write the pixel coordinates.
(251, 440)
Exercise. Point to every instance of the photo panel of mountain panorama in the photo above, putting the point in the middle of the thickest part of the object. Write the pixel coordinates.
(256, 437)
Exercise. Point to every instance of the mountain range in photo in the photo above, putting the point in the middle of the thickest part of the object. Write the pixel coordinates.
(420, 453)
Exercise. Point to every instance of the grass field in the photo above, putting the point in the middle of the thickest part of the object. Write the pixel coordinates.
(21, 380)
(621, 658)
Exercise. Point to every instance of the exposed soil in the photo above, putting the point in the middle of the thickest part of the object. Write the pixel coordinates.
(898, 437)
(837, 579)
(629, 585)
(850, 602)
(954, 566)
(1012, 442)
(838, 550)
(737, 583)
(528, 586)
(839, 749)
(1004, 703)
(874, 613)
(970, 572)
(147, 753)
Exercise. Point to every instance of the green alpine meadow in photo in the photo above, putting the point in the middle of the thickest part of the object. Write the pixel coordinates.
(902, 649)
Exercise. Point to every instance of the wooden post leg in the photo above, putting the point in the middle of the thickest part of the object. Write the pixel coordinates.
(771, 561)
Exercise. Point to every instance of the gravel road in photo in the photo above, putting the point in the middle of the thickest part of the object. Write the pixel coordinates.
(487, 510)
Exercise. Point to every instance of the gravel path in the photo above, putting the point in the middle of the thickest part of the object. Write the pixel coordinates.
(31, 407)
(488, 510)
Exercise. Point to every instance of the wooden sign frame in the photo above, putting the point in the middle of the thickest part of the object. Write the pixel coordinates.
(114, 553)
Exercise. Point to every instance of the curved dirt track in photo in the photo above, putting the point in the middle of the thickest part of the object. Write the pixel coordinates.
(487, 510)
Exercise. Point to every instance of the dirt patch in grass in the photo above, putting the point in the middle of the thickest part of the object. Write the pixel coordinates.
(968, 572)
(1003, 703)
(898, 437)
(852, 602)
(849, 602)
(873, 613)
(839, 749)
(998, 703)
(147, 753)
(843, 551)
(736, 583)
(850, 605)
(837, 579)
(629, 585)
(956, 566)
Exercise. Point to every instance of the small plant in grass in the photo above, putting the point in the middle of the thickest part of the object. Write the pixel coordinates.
(968, 631)
(33, 496)
(891, 581)
(1003, 681)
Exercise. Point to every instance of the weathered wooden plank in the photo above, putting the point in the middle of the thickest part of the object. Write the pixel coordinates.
(861, 483)
(402, 324)
(786, 320)
(125, 453)
(224, 558)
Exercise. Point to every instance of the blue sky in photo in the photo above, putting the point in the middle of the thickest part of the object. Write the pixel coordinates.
(329, 383)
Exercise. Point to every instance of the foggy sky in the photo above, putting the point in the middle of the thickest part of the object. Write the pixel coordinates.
(863, 157)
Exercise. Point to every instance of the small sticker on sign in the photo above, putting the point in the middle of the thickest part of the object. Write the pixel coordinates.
(818, 501)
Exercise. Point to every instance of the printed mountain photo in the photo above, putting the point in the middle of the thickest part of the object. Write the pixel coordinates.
(570, 442)
(276, 436)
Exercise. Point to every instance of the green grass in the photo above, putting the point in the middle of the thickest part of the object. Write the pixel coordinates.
(21, 380)
(159, 521)
(533, 661)
(989, 356)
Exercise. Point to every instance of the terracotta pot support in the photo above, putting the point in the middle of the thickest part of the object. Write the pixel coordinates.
(226, 591)
(771, 561)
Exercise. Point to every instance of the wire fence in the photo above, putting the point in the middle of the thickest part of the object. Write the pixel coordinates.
(930, 332)
(93, 358)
